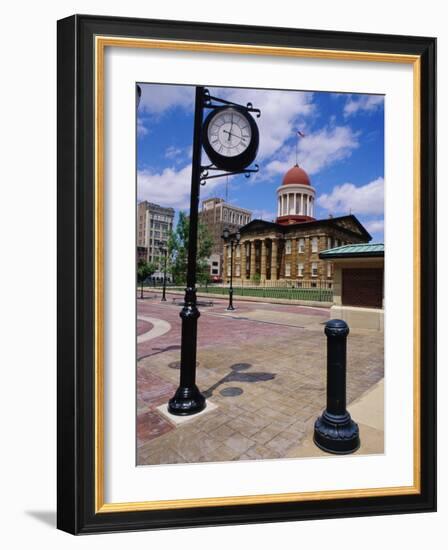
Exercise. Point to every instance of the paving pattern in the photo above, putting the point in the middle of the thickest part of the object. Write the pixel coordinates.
(263, 365)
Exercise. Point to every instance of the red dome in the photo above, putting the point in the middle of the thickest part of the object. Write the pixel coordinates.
(296, 175)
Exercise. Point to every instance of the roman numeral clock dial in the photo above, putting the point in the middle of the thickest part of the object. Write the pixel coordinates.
(230, 138)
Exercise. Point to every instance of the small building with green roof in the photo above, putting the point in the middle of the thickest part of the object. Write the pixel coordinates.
(358, 284)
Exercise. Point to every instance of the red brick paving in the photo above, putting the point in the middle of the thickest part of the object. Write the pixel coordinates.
(154, 390)
(242, 427)
(151, 425)
(143, 326)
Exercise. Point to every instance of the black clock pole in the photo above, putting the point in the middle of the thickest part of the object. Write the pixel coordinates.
(188, 399)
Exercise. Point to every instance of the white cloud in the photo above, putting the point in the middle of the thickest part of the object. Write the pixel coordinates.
(282, 113)
(374, 226)
(172, 152)
(365, 199)
(141, 128)
(318, 150)
(367, 103)
(168, 188)
(158, 98)
(171, 187)
(179, 155)
(261, 214)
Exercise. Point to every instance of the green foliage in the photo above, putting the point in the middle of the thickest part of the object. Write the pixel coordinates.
(178, 251)
(256, 278)
(144, 270)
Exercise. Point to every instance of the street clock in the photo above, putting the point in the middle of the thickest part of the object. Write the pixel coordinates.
(230, 138)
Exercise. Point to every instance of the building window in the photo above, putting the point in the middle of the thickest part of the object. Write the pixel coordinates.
(299, 270)
(314, 244)
(328, 242)
(215, 264)
(238, 252)
(328, 271)
(215, 271)
(336, 243)
(301, 246)
(237, 270)
(228, 271)
(314, 269)
(228, 251)
(288, 270)
(288, 247)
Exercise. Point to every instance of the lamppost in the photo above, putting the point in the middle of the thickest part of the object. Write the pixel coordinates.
(232, 240)
(164, 251)
(229, 136)
(138, 95)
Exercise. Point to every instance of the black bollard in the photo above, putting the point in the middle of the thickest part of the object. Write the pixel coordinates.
(335, 431)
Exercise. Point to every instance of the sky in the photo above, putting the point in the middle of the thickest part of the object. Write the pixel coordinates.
(342, 151)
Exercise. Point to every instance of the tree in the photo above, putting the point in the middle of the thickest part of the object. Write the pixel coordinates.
(178, 251)
(144, 270)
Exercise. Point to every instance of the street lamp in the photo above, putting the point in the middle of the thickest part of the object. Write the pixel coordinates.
(232, 240)
(164, 251)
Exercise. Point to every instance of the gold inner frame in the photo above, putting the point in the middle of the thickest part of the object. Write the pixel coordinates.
(101, 42)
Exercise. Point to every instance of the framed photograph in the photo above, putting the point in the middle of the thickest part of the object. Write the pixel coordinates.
(246, 274)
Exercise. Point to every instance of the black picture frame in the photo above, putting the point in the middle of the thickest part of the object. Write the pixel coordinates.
(76, 285)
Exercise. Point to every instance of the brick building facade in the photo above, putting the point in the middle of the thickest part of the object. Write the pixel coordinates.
(216, 214)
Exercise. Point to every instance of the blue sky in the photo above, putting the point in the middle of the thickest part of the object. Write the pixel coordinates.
(342, 151)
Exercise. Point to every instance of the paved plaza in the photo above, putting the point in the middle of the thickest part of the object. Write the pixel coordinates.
(263, 371)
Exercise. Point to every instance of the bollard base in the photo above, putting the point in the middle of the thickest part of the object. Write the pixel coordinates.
(336, 434)
(186, 401)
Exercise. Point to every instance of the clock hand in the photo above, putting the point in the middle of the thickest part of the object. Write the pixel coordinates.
(234, 135)
(231, 126)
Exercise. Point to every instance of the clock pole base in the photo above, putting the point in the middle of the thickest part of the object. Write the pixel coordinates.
(187, 401)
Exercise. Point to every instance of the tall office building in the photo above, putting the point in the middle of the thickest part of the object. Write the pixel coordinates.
(154, 224)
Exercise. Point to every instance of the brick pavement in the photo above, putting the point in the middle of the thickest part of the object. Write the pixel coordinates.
(262, 365)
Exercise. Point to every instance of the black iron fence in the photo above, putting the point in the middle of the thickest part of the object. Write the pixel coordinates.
(306, 290)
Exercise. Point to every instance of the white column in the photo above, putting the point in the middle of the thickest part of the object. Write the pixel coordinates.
(301, 204)
(278, 206)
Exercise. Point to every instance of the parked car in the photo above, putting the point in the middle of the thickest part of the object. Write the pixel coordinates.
(216, 279)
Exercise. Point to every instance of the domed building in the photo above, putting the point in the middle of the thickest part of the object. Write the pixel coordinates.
(295, 197)
(288, 249)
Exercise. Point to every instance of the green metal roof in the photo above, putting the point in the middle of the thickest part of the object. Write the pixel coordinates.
(354, 251)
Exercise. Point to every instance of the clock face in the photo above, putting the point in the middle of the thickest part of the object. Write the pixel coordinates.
(230, 138)
(229, 133)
